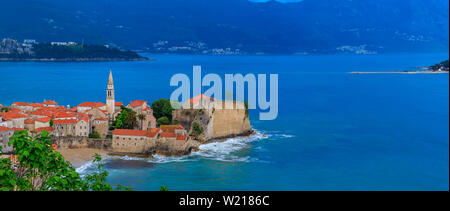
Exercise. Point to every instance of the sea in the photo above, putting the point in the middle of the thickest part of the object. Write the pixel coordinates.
(334, 130)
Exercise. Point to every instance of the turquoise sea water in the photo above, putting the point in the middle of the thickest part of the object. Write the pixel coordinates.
(335, 131)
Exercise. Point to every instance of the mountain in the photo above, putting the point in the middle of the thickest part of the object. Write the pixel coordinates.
(196, 26)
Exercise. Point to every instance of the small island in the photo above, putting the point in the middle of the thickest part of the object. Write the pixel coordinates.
(30, 50)
(437, 68)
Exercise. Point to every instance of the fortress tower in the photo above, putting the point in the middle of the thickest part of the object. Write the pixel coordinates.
(110, 102)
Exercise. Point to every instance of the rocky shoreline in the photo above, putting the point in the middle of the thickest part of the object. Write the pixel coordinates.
(79, 156)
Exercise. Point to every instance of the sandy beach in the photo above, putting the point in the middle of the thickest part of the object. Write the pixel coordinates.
(78, 157)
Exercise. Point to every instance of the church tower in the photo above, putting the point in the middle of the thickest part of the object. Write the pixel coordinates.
(110, 102)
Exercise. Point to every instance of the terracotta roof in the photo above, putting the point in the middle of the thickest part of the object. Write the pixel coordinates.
(63, 114)
(41, 112)
(18, 129)
(101, 119)
(137, 103)
(48, 129)
(196, 99)
(44, 119)
(14, 110)
(124, 132)
(3, 129)
(100, 104)
(92, 104)
(153, 132)
(150, 133)
(74, 109)
(171, 128)
(21, 104)
(168, 135)
(50, 102)
(29, 121)
(36, 105)
(65, 121)
(9, 116)
(118, 104)
(181, 138)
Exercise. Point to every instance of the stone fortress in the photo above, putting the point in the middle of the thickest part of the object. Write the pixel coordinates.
(203, 120)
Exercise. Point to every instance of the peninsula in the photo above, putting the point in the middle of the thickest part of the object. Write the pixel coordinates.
(137, 129)
(30, 50)
(442, 67)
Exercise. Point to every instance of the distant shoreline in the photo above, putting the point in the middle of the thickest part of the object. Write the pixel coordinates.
(75, 60)
(402, 72)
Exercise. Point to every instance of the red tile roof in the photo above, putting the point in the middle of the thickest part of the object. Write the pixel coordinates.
(196, 99)
(48, 129)
(44, 119)
(65, 121)
(50, 102)
(63, 114)
(92, 104)
(118, 104)
(100, 104)
(29, 121)
(150, 133)
(137, 103)
(21, 104)
(124, 132)
(41, 112)
(14, 110)
(101, 119)
(18, 129)
(9, 116)
(168, 135)
(36, 105)
(3, 129)
(181, 138)
(153, 132)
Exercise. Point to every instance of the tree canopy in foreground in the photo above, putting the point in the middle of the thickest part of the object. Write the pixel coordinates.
(39, 167)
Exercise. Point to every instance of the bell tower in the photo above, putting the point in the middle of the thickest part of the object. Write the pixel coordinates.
(110, 102)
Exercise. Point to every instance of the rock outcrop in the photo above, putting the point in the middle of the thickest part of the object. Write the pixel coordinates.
(214, 122)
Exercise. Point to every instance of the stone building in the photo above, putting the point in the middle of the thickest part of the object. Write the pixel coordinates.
(29, 124)
(42, 122)
(64, 127)
(86, 106)
(101, 126)
(5, 134)
(50, 103)
(16, 120)
(134, 141)
(22, 106)
(141, 108)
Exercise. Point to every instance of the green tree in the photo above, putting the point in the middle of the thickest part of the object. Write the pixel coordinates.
(164, 188)
(95, 135)
(126, 119)
(5, 109)
(51, 122)
(197, 129)
(163, 121)
(41, 168)
(162, 108)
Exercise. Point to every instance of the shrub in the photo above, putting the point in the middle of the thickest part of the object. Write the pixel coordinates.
(163, 121)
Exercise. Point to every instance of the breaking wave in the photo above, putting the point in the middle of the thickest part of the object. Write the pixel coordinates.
(231, 150)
